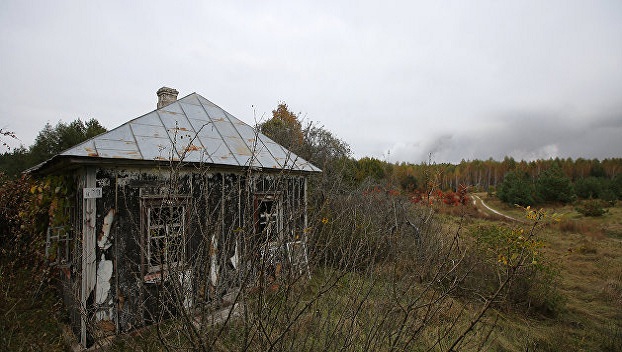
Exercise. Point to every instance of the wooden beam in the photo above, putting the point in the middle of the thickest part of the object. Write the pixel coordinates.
(89, 212)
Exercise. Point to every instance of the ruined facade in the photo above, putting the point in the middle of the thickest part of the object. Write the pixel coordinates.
(172, 211)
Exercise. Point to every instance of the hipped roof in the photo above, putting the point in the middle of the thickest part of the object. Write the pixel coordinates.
(192, 130)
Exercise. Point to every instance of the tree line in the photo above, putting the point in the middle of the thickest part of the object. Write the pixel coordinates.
(517, 182)
(50, 141)
(484, 175)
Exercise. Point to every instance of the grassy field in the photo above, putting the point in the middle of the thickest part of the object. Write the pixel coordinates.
(584, 253)
(587, 253)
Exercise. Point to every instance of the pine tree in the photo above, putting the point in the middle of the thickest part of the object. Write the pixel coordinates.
(553, 185)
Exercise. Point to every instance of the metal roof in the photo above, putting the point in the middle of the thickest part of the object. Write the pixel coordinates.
(191, 129)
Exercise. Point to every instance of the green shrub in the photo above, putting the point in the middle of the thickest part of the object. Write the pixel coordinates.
(497, 248)
(592, 207)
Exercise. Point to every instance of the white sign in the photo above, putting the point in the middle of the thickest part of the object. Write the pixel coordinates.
(92, 192)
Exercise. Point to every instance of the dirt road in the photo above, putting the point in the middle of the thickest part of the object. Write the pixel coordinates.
(484, 208)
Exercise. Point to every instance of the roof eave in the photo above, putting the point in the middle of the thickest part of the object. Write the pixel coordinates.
(68, 163)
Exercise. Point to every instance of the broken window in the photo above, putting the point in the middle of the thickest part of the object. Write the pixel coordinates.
(166, 228)
(268, 234)
(267, 218)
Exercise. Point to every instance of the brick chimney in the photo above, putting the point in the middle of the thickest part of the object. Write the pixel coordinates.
(166, 96)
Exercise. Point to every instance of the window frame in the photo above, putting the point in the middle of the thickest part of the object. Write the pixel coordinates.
(59, 245)
(276, 214)
(177, 227)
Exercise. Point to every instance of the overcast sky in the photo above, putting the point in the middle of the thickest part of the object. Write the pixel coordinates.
(397, 80)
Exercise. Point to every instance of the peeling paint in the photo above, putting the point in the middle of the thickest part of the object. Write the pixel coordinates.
(192, 147)
(152, 278)
(214, 261)
(102, 241)
(104, 273)
(102, 289)
(185, 280)
(124, 289)
(103, 182)
(235, 260)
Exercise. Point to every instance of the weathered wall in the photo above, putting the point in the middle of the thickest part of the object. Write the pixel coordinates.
(220, 236)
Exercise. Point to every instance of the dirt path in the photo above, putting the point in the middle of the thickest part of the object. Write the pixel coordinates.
(484, 208)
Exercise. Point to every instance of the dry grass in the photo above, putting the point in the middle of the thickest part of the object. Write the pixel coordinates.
(590, 272)
(586, 258)
(587, 253)
(29, 312)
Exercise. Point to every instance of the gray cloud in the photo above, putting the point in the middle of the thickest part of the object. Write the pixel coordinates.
(398, 81)
(524, 136)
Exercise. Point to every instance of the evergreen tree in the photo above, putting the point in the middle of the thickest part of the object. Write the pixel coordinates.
(49, 142)
(516, 188)
(590, 187)
(554, 186)
(13, 163)
(370, 168)
(53, 140)
(616, 186)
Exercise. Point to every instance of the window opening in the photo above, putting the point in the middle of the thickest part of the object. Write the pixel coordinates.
(58, 245)
(166, 227)
(267, 218)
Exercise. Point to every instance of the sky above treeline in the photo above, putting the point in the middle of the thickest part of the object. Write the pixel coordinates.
(396, 80)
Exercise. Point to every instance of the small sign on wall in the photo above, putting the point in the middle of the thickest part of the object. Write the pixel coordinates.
(92, 192)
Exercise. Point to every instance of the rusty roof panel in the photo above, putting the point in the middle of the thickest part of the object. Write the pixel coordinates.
(150, 119)
(192, 110)
(123, 133)
(114, 145)
(226, 129)
(215, 148)
(85, 149)
(192, 129)
(115, 153)
(152, 148)
(149, 131)
(214, 112)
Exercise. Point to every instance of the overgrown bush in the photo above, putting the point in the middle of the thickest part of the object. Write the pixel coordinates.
(27, 208)
(360, 227)
(592, 207)
(496, 250)
(15, 199)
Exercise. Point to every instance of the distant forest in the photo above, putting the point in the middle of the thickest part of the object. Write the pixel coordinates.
(587, 176)
(486, 175)
(514, 182)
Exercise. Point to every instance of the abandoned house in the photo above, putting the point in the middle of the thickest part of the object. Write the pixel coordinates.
(185, 203)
